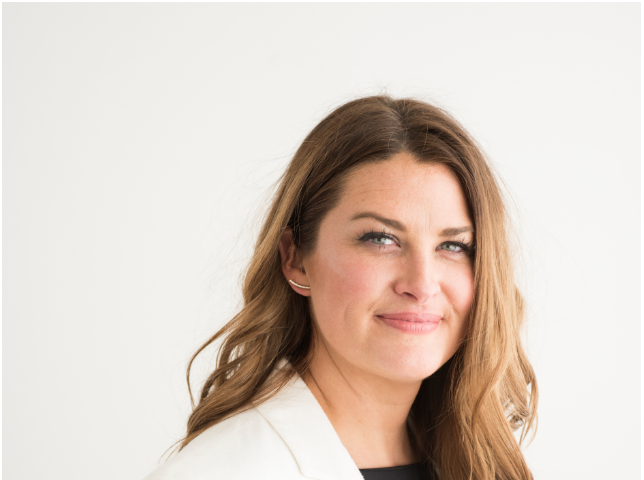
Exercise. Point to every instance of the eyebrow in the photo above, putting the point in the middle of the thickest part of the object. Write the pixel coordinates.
(387, 221)
(452, 232)
(448, 232)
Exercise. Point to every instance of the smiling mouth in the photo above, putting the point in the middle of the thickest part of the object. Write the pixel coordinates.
(414, 323)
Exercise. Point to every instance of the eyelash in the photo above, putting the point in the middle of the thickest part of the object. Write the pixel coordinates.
(467, 248)
(371, 234)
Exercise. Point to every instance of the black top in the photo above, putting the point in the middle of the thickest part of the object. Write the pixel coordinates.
(415, 471)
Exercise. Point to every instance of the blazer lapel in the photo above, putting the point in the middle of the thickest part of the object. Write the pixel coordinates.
(298, 418)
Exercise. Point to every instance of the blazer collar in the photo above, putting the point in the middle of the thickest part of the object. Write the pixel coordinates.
(299, 419)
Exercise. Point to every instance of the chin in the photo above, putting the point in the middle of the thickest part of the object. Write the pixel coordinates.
(413, 369)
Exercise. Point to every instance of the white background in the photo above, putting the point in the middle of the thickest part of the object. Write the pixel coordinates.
(140, 143)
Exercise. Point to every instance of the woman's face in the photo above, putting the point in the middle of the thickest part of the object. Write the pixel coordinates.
(391, 275)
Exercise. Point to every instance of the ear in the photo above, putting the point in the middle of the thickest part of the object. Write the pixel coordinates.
(292, 266)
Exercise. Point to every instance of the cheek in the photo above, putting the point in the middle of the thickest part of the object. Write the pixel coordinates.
(348, 275)
(458, 288)
(344, 281)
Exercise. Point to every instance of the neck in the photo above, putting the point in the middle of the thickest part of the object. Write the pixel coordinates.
(368, 412)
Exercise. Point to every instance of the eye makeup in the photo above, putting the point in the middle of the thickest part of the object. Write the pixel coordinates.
(368, 236)
(466, 248)
(382, 238)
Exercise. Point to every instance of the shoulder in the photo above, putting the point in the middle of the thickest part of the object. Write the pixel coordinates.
(241, 447)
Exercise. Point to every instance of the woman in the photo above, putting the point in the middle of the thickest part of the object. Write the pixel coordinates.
(379, 336)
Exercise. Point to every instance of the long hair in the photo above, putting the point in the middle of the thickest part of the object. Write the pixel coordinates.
(464, 416)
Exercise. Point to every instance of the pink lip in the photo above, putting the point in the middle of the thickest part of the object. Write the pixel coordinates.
(412, 322)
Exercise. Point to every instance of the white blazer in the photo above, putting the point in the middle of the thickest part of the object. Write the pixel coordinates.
(287, 437)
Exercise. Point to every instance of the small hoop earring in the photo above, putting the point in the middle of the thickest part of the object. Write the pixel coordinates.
(298, 285)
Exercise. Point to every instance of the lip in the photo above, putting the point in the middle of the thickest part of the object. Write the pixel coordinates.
(411, 322)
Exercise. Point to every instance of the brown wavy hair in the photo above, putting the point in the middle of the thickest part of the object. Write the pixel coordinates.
(463, 419)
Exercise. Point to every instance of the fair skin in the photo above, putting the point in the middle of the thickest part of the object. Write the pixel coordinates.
(390, 299)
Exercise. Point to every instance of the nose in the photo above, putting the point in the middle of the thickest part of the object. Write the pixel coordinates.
(420, 278)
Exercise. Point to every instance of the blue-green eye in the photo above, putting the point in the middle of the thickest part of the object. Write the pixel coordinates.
(381, 239)
(456, 247)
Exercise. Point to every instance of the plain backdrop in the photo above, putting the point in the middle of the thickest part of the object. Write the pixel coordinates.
(140, 146)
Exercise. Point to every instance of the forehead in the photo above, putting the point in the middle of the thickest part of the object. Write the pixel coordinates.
(406, 189)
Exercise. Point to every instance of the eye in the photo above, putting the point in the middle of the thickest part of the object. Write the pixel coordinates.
(451, 247)
(456, 247)
(380, 239)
